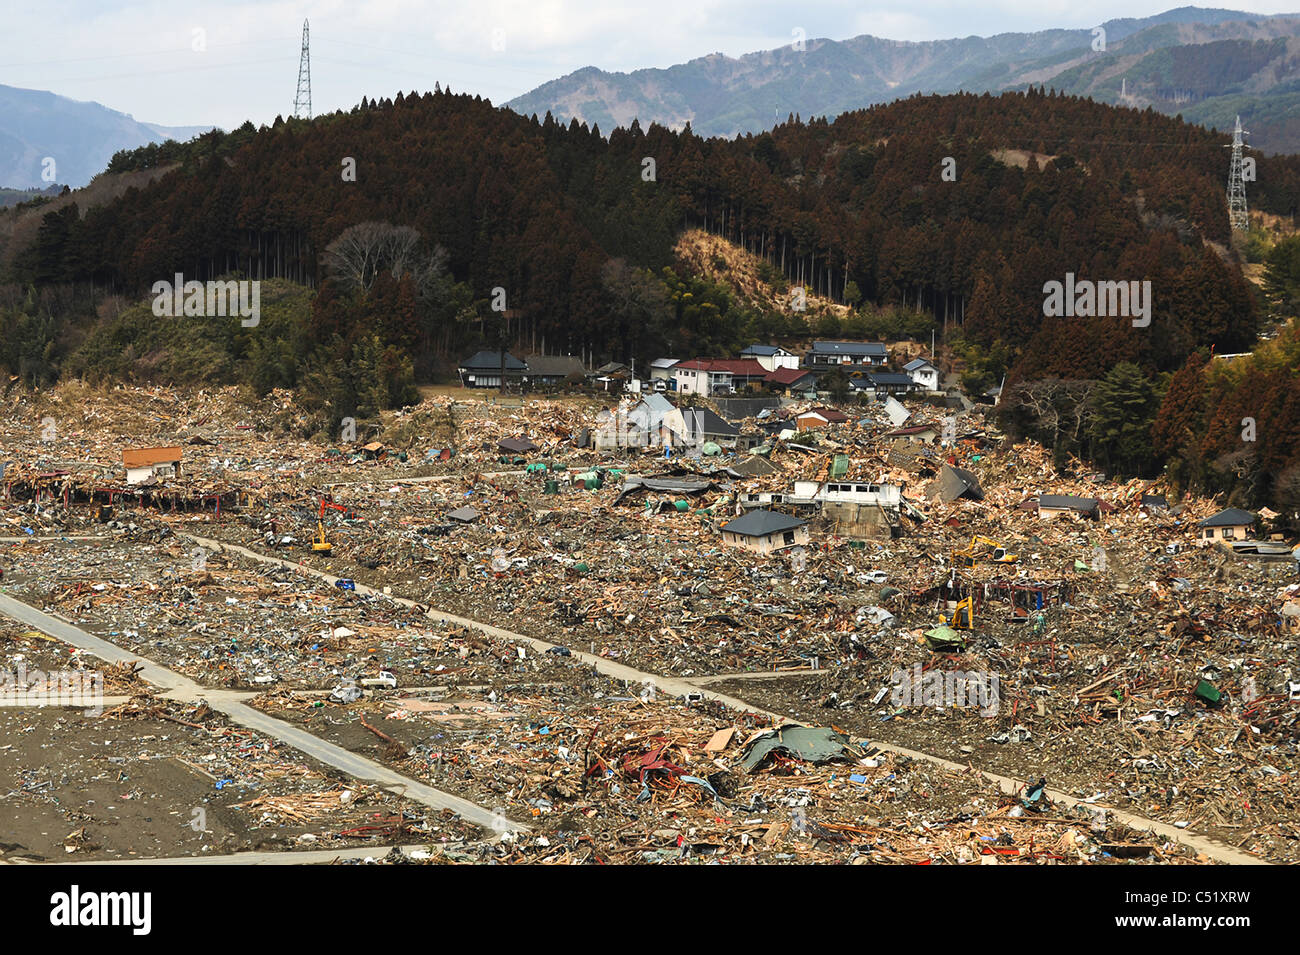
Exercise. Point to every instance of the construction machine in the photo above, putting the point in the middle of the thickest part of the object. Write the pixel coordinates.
(983, 548)
(319, 543)
(963, 616)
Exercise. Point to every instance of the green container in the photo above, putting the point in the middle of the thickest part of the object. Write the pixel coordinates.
(858, 545)
(1208, 692)
(682, 505)
(552, 487)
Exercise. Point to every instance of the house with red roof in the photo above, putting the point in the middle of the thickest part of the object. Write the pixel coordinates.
(716, 376)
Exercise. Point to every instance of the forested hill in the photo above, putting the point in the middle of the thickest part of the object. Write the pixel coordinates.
(1045, 184)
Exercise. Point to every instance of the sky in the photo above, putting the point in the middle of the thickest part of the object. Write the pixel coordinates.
(191, 62)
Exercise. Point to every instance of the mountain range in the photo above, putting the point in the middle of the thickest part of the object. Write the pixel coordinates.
(80, 138)
(1207, 65)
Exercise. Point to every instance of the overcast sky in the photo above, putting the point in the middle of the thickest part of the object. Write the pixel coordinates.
(141, 57)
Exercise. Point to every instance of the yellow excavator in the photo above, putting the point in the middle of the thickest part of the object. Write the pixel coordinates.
(320, 544)
(983, 548)
(963, 616)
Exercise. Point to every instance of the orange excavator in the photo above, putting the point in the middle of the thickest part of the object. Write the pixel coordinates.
(319, 543)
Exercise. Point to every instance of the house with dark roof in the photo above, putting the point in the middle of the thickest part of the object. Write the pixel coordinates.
(765, 531)
(516, 446)
(890, 382)
(483, 369)
(1229, 524)
(771, 357)
(954, 482)
(847, 355)
(552, 369)
(703, 425)
(1054, 505)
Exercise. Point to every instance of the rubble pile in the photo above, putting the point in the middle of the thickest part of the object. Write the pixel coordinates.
(1124, 658)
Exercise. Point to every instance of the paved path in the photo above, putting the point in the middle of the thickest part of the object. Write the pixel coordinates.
(303, 857)
(176, 686)
(682, 687)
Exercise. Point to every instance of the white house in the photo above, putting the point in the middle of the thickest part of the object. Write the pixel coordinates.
(771, 357)
(849, 492)
(925, 374)
(830, 492)
(695, 377)
(661, 369)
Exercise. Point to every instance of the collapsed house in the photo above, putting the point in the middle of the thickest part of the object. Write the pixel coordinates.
(654, 422)
(145, 464)
(1051, 506)
(953, 483)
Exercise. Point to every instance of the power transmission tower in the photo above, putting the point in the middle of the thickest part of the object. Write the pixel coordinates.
(302, 101)
(1237, 184)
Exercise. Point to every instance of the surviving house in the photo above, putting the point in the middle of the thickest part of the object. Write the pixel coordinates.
(890, 383)
(846, 355)
(483, 369)
(924, 374)
(765, 531)
(1230, 524)
(145, 463)
(661, 369)
(1054, 505)
(791, 381)
(771, 357)
(716, 376)
(613, 376)
(552, 369)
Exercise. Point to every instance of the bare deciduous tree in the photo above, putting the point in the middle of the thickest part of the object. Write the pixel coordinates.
(364, 250)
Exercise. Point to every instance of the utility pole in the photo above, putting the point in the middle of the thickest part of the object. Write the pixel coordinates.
(1237, 216)
(302, 100)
